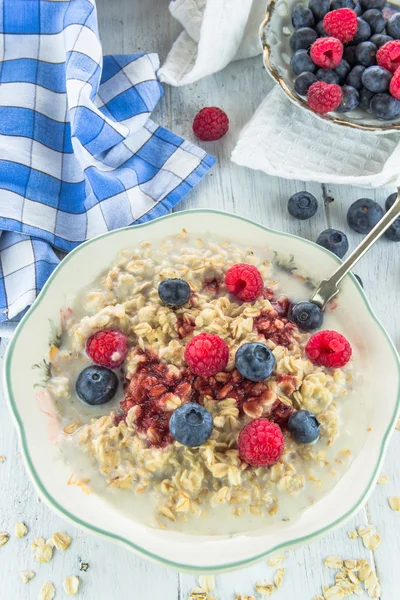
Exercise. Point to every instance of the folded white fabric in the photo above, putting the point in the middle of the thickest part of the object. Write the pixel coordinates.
(215, 33)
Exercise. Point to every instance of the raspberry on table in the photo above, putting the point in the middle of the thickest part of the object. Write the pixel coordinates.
(261, 443)
(210, 124)
(206, 354)
(327, 52)
(341, 24)
(324, 97)
(244, 281)
(388, 56)
(395, 85)
(107, 348)
(329, 349)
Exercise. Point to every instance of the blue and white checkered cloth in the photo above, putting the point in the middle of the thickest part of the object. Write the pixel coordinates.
(79, 155)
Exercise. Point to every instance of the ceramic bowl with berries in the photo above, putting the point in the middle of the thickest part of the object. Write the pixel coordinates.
(339, 59)
(175, 391)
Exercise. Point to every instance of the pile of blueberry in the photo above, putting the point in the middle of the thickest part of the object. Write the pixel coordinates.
(346, 54)
(362, 216)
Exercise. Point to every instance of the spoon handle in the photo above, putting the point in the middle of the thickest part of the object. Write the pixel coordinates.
(328, 288)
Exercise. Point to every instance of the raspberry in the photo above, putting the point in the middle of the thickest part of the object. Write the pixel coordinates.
(261, 443)
(329, 349)
(206, 354)
(341, 24)
(244, 281)
(323, 97)
(327, 52)
(388, 56)
(210, 124)
(395, 85)
(107, 348)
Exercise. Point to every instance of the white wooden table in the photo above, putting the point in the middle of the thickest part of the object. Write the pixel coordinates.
(115, 573)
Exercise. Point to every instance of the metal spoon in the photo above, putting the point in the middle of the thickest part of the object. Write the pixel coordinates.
(328, 288)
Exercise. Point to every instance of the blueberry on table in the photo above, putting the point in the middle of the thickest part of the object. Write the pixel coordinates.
(393, 233)
(306, 315)
(390, 200)
(334, 240)
(366, 54)
(367, 4)
(376, 79)
(365, 98)
(354, 78)
(385, 107)
(303, 38)
(255, 361)
(301, 62)
(191, 424)
(303, 82)
(359, 279)
(393, 26)
(375, 20)
(363, 32)
(327, 75)
(319, 8)
(363, 215)
(174, 292)
(350, 99)
(302, 17)
(380, 39)
(342, 70)
(302, 205)
(96, 385)
(304, 427)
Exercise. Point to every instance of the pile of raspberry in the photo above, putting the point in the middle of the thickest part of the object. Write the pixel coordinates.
(346, 55)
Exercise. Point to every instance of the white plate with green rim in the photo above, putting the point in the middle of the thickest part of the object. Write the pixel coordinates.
(188, 552)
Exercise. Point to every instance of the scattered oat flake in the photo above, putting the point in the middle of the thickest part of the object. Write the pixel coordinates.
(278, 577)
(198, 594)
(398, 424)
(394, 502)
(20, 529)
(47, 591)
(352, 534)
(318, 598)
(68, 429)
(207, 582)
(276, 560)
(241, 597)
(333, 593)
(264, 588)
(71, 585)
(26, 576)
(333, 562)
(43, 552)
(372, 586)
(351, 564)
(2, 459)
(61, 540)
(4, 537)
(383, 479)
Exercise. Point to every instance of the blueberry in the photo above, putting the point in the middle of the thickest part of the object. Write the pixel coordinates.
(393, 233)
(363, 215)
(385, 106)
(303, 82)
(375, 20)
(380, 39)
(96, 385)
(336, 4)
(367, 4)
(301, 62)
(358, 9)
(303, 38)
(303, 427)
(349, 55)
(327, 75)
(363, 32)
(350, 99)
(376, 79)
(342, 70)
(359, 279)
(191, 424)
(302, 17)
(354, 77)
(365, 98)
(306, 315)
(390, 200)
(366, 54)
(320, 29)
(335, 241)
(302, 205)
(174, 292)
(393, 26)
(255, 361)
(319, 8)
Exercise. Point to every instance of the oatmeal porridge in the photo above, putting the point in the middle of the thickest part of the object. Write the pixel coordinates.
(189, 397)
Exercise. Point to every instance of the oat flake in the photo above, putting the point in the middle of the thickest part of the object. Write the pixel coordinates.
(198, 594)
(4, 537)
(383, 479)
(71, 585)
(278, 578)
(241, 597)
(47, 591)
(20, 529)
(61, 540)
(207, 582)
(372, 586)
(394, 502)
(398, 424)
(43, 552)
(264, 588)
(26, 576)
(2, 459)
(352, 534)
(276, 560)
(333, 562)
(333, 593)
